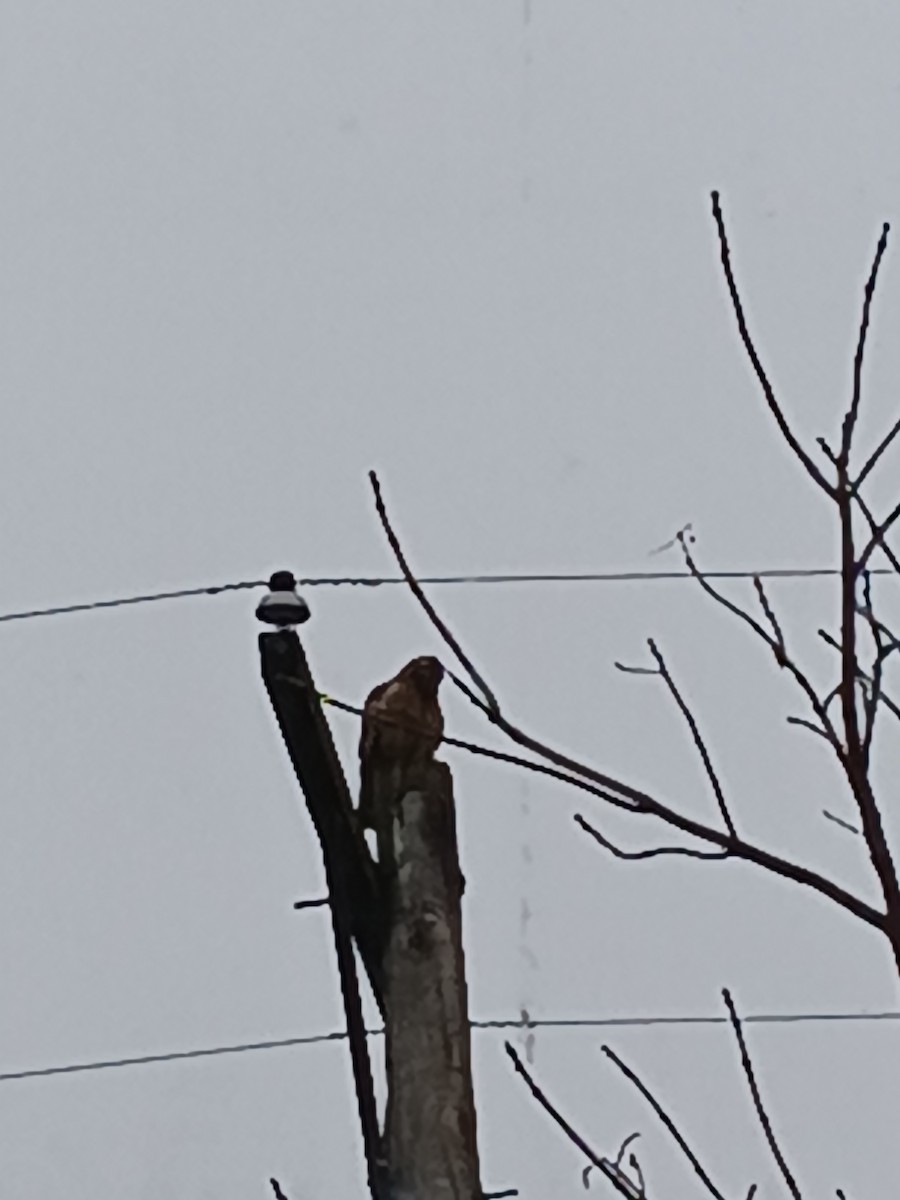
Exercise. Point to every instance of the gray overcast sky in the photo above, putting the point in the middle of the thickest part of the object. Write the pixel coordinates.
(248, 251)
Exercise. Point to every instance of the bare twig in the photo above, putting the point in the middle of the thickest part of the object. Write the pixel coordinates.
(711, 774)
(635, 855)
(780, 652)
(881, 652)
(876, 455)
(439, 625)
(632, 1137)
(869, 291)
(626, 670)
(639, 1174)
(585, 1174)
(667, 1121)
(840, 821)
(771, 400)
(804, 724)
(276, 1188)
(607, 1168)
(750, 1076)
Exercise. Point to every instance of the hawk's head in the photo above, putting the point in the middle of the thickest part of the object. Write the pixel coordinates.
(425, 673)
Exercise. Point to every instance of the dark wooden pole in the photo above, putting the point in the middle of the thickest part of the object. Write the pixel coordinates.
(353, 887)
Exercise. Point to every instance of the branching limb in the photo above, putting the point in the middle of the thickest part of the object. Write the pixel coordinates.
(768, 391)
(641, 801)
(750, 1076)
(667, 1122)
(879, 532)
(775, 644)
(862, 677)
(878, 540)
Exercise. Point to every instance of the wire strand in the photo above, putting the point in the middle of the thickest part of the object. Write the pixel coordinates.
(517, 1023)
(371, 581)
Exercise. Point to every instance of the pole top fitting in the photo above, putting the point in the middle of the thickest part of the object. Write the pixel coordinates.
(281, 605)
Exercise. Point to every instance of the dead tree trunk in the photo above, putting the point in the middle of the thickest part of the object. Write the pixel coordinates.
(429, 1138)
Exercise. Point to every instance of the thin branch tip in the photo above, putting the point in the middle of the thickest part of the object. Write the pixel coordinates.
(763, 1116)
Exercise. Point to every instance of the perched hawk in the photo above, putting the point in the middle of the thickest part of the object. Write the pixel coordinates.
(402, 725)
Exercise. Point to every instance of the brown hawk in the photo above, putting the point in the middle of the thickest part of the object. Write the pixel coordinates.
(402, 726)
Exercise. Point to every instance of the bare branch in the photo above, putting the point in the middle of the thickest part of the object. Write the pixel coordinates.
(436, 621)
(879, 532)
(780, 652)
(634, 670)
(636, 1167)
(667, 1122)
(696, 735)
(876, 455)
(757, 1098)
(771, 400)
(807, 725)
(869, 291)
(861, 675)
(607, 1168)
(881, 652)
(840, 821)
(632, 1137)
(501, 756)
(737, 848)
(276, 1188)
(635, 855)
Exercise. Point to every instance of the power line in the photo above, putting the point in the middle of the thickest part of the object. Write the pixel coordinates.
(372, 581)
(560, 1023)
(174, 1056)
(120, 601)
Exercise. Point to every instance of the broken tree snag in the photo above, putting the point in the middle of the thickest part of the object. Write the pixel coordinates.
(429, 1139)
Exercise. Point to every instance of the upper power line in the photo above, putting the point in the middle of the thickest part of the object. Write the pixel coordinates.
(373, 581)
(559, 1023)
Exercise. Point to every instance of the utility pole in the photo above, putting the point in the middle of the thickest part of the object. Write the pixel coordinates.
(404, 914)
(350, 877)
